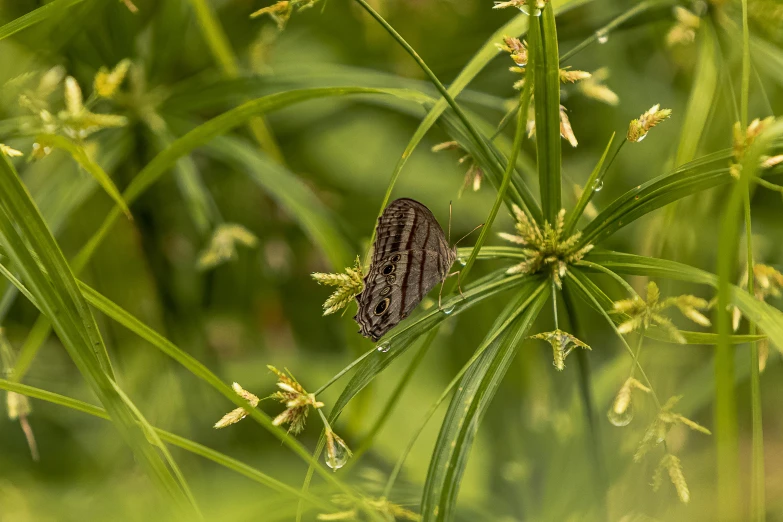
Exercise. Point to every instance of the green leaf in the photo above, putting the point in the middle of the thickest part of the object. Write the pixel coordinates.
(41, 264)
(546, 71)
(654, 194)
(702, 96)
(78, 153)
(181, 442)
(587, 192)
(769, 319)
(474, 395)
(653, 332)
(50, 10)
(403, 336)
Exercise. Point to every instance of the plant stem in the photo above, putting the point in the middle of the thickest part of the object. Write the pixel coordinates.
(480, 140)
(218, 43)
(588, 402)
(757, 500)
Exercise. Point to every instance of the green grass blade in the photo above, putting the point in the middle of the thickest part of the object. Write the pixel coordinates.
(200, 371)
(220, 47)
(474, 394)
(34, 252)
(50, 10)
(587, 192)
(403, 336)
(650, 196)
(702, 97)
(519, 135)
(766, 316)
(546, 74)
(80, 156)
(176, 440)
(653, 332)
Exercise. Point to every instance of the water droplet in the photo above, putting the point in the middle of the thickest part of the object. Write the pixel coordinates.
(641, 138)
(337, 458)
(461, 261)
(536, 12)
(384, 347)
(448, 309)
(621, 419)
(602, 37)
(599, 185)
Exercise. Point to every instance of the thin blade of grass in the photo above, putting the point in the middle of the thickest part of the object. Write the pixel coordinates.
(546, 71)
(474, 394)
(34, 252)
(50, 10)
(587, 192)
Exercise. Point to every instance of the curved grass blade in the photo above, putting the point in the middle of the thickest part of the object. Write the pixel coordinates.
(767, 317)
(290, 192)
(650, 196)
(587, 192)
(220, 47)
(176, 440)
(50, 10)
(474, 394)
(215, 127)
(403, 336)
(546, 73)
(36, 255)
(653, 332)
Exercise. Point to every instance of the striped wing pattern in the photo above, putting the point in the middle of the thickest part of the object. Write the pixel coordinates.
(410, 256)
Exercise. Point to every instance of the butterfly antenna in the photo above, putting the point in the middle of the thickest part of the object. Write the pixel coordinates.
(469, 233)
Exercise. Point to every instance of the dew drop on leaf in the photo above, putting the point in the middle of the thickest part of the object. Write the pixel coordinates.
(448, 310)
(598, 185)
(602, 37)
(621, 419)
(338, 459)
(384, 347)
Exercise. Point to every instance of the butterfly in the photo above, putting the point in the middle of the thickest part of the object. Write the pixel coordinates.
(411, 255)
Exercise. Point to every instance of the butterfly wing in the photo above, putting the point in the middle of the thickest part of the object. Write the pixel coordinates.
(411, 255)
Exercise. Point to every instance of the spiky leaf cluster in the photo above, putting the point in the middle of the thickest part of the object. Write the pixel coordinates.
(281, 11)
(237, 414)
(349, 285)
(743, 141)
(547, 248)
(296, 399)
(638, 129)
(657, 431)
(562, 343)
(671, 465)
(647, 312)
(223, 245)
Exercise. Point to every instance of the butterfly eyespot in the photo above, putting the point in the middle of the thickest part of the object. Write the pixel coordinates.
(382, 306)
(401, 215)
(390, 279)
(388, 269)
(395, 258)
(386, 290)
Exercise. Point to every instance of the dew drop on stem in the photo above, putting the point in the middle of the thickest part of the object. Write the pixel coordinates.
(384, 347)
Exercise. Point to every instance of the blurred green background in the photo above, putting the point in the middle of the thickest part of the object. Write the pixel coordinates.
(532, 457)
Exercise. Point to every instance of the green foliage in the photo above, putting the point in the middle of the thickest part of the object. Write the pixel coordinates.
(286, 135)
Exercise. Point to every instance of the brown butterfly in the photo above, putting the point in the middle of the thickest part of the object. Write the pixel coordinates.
(411, 254)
